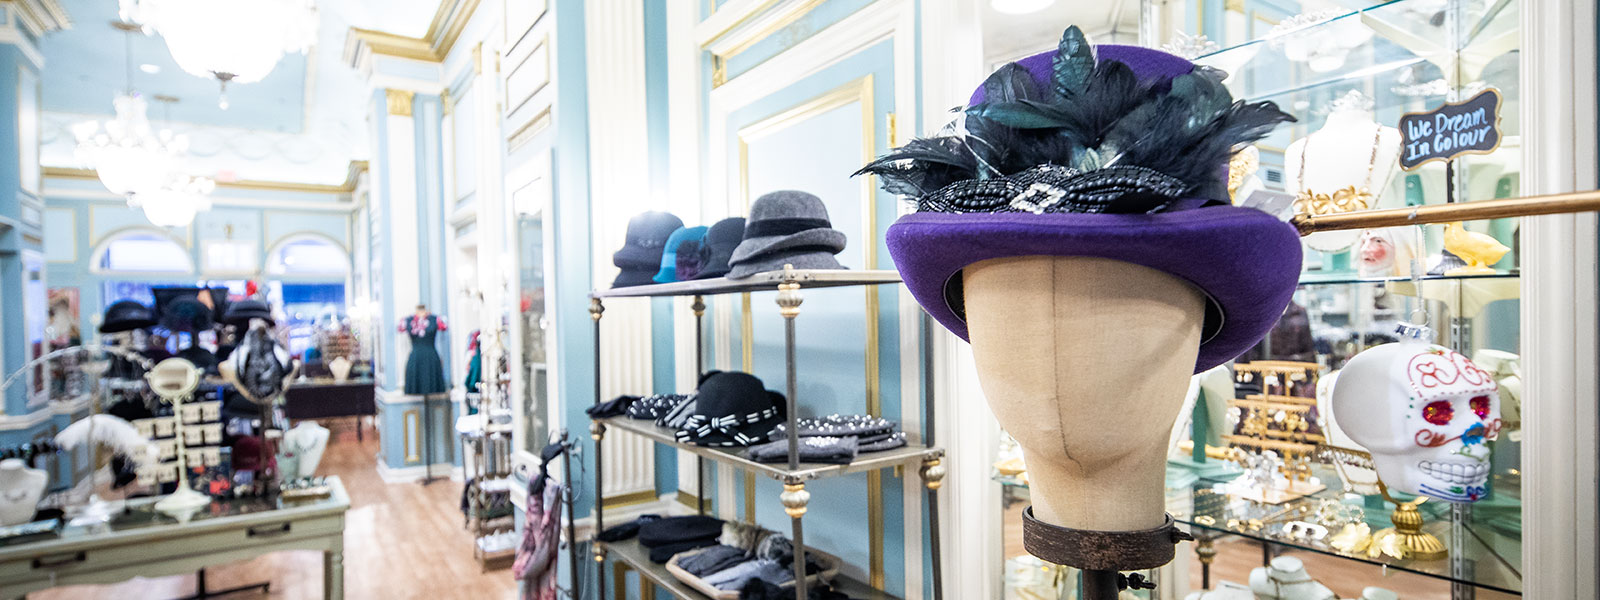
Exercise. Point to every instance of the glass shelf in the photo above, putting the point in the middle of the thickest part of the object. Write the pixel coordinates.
(1360, 46)
(1345, 277)
(1490, 540)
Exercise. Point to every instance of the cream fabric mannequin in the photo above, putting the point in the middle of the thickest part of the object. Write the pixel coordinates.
(1286, 579)
(1085, 361)
(1340, 154)
(306, 442)
(20, 490)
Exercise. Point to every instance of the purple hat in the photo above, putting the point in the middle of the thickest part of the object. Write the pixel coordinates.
(1119, 156)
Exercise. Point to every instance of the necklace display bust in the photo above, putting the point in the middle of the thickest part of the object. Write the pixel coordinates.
(1352, 157)
(302, 450)
(20, 491)
(1286, 579)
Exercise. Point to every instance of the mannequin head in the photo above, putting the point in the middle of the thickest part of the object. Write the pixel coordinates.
(1085, 362)
(1426, 413)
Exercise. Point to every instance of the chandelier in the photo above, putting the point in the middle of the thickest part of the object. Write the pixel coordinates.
(230, 40)
(127, 153)
(175, 203)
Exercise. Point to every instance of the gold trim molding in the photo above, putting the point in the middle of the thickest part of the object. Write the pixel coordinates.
(630, 499)
(352, 176)
(40, 16)
(399, 101)
(443, 32)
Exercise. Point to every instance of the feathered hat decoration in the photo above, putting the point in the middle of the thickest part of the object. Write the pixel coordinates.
(1097, 138)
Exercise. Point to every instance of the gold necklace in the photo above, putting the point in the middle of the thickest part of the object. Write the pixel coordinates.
(1343, 200)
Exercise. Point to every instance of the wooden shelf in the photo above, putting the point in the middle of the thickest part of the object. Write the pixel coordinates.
(909, 454)
(637, 557)
(760, 282)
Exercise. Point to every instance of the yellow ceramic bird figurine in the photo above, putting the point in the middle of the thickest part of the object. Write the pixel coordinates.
(1478, 250)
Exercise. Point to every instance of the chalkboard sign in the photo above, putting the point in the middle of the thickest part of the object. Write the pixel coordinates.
(1471, 127)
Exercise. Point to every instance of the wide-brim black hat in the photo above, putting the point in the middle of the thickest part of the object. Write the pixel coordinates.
(632, 276)
(126, 315)
(239, 313)
(732, 409)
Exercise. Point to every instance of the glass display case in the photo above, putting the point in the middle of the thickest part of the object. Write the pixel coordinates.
(1348, 71)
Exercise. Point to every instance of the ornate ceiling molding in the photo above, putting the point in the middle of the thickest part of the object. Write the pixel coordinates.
(446, 27)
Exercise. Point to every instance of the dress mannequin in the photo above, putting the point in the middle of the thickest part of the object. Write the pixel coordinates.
(20, 491)
(424, 370)
(1067, 348)
(302, 449)
(1351, 150)
(1286, 579)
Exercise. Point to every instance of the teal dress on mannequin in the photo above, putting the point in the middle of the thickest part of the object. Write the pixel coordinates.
(424, 368)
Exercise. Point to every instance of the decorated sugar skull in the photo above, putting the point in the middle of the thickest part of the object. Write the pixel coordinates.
(1426, 413)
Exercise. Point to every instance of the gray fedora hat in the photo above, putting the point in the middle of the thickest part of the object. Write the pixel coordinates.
(787, 227)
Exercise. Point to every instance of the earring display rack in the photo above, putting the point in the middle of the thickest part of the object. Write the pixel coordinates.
(793, 475)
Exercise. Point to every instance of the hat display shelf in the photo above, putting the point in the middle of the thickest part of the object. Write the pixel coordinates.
(793, 475)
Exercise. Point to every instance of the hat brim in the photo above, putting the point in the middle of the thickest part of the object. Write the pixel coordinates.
(633, 277)
(717, 266)
(812, 239)
(760, 432)
(803, 259)
(1245, 261)
(666, 274)
(634, 256)
(121, 325)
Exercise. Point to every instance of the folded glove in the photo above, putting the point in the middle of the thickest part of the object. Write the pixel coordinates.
(627, 530)
(712, 560)
(838, 425)
(896, 440)
(611, 408)
(828, 450)
(654, 407)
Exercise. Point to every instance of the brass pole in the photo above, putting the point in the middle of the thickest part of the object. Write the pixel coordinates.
(1574, 202)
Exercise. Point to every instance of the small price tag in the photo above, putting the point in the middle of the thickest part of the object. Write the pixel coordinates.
(1470, 127)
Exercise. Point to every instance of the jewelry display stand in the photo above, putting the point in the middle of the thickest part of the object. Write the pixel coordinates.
(174, 379)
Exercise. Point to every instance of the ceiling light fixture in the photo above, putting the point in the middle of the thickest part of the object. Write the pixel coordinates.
(1020, 7)
(149, 68)
(175, 203)
(129, 155)
(237, 41)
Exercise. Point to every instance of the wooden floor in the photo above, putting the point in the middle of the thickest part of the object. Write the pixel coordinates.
(401, 541)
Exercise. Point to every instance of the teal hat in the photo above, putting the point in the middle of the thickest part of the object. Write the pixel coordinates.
(669, 259)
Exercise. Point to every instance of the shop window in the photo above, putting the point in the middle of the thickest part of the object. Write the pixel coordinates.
(308, 256)
(142, 252)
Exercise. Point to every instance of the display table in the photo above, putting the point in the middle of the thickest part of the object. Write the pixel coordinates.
(141, 542)
(326, 399)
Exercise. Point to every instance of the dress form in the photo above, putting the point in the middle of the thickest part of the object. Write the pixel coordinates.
(20, 490)
(1067, 348)
(1286, 579)
(1350, 150)
(303, 445)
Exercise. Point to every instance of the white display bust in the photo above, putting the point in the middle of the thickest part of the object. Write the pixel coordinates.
(20, 491)
(1286, 579)
(1350, 150)
(305, 443)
